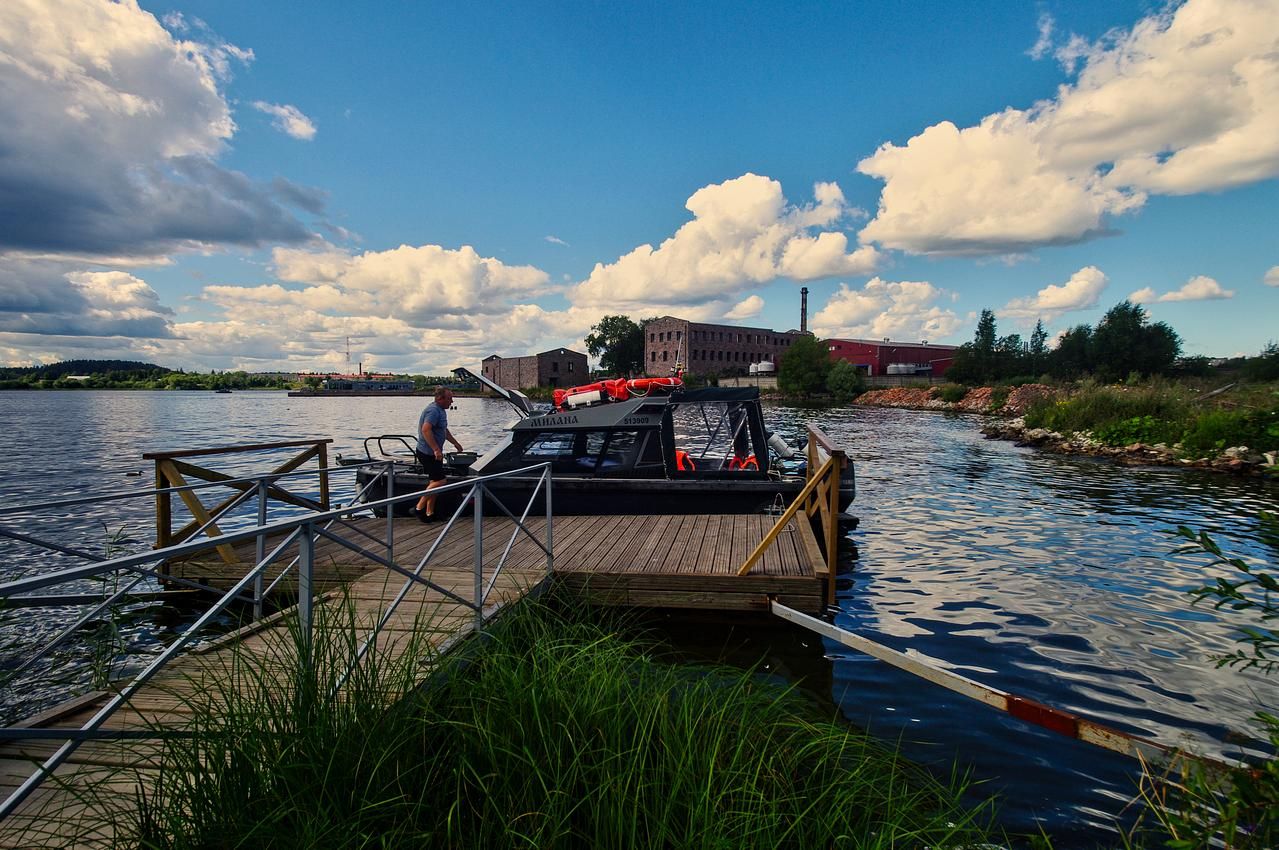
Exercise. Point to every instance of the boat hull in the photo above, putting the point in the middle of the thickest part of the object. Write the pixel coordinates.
(574, 496)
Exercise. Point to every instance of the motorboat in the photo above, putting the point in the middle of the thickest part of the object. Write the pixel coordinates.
(655, 447)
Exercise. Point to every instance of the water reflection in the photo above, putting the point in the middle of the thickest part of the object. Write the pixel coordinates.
(1051, 577)
(1047, 576)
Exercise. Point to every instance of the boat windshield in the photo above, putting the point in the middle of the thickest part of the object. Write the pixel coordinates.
(593, 452)
(718, 435)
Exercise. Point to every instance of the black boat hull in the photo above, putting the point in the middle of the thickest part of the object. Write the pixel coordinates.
(578, 496)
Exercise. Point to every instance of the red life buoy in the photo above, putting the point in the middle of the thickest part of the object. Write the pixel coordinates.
(683, 462)
(748, 462)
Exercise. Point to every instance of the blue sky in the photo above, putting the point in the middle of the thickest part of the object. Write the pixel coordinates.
(244, 185)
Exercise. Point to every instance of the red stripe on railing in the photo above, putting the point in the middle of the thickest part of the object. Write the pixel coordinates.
(1053, 719)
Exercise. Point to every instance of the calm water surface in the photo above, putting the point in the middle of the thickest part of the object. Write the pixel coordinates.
(1048, 576)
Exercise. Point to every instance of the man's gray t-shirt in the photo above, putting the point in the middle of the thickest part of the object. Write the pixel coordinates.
(439, 420)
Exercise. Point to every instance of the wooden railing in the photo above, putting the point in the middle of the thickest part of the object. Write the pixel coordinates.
(173, 473)
(820, 497)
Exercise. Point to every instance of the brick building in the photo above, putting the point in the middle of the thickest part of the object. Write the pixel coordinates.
(559, 367)
(706, 349)
(885, 357)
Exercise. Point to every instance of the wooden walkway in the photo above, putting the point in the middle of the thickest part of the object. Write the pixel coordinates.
(645, 561)
(657, 561)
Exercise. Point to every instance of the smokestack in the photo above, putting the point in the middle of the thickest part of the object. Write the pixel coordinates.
(803, 310)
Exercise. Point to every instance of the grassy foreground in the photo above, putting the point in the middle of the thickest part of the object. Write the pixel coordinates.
(552, 731)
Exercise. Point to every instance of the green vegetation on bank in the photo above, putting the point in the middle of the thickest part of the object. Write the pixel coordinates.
(1237, 808)
(551, 731)
(1166, 412)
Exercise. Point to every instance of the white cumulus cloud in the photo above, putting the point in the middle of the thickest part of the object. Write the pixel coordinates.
(1272, 277)
(1200, 288)
(747, 308)
(287, 119)
(111, 128)
(901, 310)
(1081, 292)
(1186, 101)
(743, 233)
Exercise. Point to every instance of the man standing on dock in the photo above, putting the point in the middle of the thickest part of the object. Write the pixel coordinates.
(432, 431)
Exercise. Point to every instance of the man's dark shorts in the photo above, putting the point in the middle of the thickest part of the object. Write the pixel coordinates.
(432, 467)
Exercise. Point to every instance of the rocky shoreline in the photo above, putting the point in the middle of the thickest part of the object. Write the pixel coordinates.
(1010, 424)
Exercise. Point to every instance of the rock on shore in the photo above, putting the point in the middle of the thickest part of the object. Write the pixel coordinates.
(976, 400)
(1238, 459)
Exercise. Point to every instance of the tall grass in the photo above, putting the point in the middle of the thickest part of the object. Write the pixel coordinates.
(1163, 413)
(551, 731)
(1096, 406)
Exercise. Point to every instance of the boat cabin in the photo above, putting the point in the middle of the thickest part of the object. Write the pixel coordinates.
(710, 433)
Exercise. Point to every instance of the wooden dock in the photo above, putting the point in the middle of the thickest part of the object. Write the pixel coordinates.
(645, 561)
(660, 561)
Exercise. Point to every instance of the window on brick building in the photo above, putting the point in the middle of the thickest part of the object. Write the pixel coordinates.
(663, 356)
(679, 335)
(651, 336)
(653, 357)
(570, 365)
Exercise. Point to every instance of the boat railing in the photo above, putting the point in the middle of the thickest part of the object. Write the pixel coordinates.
(300, 533)
(819, 498)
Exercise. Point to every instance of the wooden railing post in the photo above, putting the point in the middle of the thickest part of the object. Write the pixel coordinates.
(324, 475)
(163, 509)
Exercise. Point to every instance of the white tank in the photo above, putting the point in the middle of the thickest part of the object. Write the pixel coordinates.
(901, 368)
(754, 370)
(766, 367)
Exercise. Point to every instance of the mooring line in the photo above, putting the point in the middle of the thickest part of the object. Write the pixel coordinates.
(1045, 716)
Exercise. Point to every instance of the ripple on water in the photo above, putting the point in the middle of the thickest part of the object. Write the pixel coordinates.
(1048, 576)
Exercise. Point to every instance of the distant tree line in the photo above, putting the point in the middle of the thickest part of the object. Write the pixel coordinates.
(129, 375)
(1123, 343)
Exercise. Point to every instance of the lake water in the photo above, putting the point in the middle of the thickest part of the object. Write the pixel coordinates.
(1048, 576)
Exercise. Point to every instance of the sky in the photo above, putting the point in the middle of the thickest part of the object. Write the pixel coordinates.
(224, 184)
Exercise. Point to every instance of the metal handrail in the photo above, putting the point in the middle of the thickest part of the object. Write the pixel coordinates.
(304, 531)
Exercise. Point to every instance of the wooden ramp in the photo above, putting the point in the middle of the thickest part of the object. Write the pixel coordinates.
(649, 561)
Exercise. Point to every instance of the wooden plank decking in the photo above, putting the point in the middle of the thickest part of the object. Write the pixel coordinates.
(650, 561)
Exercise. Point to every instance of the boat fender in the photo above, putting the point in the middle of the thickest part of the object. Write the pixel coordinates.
(781, 447)
(683, 462)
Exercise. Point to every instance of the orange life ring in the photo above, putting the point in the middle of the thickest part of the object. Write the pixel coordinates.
(748, 462)
(683, 462)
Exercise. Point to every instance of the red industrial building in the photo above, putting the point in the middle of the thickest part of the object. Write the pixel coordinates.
(885, 357)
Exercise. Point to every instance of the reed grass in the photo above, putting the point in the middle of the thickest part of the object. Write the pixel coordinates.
(1164, 412)
(551, 730)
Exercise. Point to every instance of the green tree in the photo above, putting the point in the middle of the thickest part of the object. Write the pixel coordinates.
(965, 368)
(804, 369)
(845, 381)
(1124, 342)
(1264, 367)
(1038, 348)
(619, 344)
(984, 342)
(1073, 355)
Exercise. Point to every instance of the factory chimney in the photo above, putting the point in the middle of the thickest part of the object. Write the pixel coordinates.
(803, 310)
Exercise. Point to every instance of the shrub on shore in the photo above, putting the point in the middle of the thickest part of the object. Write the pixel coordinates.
(1160, 413)
(553, 732)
